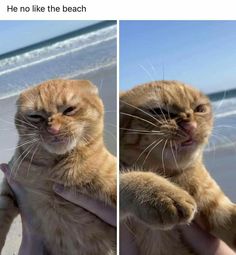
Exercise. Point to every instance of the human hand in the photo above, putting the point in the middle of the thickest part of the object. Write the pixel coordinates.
(127, 241)
(202, 242)
(103, 211)
(31, 241)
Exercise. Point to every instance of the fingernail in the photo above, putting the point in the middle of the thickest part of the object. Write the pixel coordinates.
(58, 188)
(4, 168)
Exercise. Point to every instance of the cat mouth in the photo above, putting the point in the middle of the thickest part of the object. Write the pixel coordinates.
(59, 140)
(188, 142)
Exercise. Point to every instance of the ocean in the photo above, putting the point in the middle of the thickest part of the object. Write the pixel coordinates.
(224, 131)
(68, 58)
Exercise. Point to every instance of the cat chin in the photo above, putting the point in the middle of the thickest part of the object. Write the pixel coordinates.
(183, 159)
(60, 149)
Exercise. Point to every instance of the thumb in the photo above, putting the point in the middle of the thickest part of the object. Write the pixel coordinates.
(9, 176)
(5, 169)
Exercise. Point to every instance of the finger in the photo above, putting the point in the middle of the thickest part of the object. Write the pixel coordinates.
(7, 172)
(4, 167)
(100, 209)
(16, 187)
(202, 242)
(128, 245)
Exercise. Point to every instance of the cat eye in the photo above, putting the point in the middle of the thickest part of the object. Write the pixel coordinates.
(160, 112)
(200, 108)
(69, 111)
(35, 117)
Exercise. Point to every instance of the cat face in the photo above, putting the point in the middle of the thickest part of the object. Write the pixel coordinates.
(60, 114)
(164, 124)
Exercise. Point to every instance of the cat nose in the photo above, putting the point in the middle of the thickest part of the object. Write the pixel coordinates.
(54, 130)
(188, 126)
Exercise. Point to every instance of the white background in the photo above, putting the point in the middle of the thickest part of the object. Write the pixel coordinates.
(117, 9)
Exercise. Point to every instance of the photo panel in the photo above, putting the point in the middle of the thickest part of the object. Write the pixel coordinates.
(58, 137)
(177, 136)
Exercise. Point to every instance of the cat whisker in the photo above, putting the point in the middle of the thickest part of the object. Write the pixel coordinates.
(23, 126)
(110, 133)
(110, 111)
(162, 156)
(30, 134)
(18, 146)
(140, 155)
(139, 118)
(148, 114)
(110, 124)
(8, 122)
(30, 149)
(224, 126)
(73, 134)
(101, 85)
(16, 161)
(8, 129)
(221, 101)
(160, 120)
(224, 138)
(141, 130)
(168, 112)
(26, 121)
(212, 145)
(31, 159)
(29, 99)
(171, 147)
(146, 71)
(165, 120)
(85, 140)
(144, 133)
(154, 71)
(155, 145)
(216, 134)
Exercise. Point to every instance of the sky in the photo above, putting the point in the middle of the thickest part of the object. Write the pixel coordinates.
(18, 34)
(201, 53)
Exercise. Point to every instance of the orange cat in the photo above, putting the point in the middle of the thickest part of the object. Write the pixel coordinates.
(164, 127)
(60, 126)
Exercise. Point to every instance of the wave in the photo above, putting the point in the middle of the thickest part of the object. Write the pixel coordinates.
(57, 49)
(225, 114)
(69, 58)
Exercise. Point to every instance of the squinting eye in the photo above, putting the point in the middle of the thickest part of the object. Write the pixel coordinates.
(35, 117)
(69, 110)
(200, 108)
(160, 112)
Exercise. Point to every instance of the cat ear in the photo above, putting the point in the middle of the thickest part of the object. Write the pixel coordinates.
(87, 86)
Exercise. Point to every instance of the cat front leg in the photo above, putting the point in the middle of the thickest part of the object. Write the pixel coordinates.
(219, 218)
(154, 200)
(8, 211)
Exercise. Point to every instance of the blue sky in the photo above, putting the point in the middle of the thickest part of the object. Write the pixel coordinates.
(18, 34)
(202, 53)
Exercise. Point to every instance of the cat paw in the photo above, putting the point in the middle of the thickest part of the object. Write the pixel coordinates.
(180, 209)
(168, 210)
(155, 200)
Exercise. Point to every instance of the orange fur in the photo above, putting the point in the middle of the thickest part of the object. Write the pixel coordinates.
(60, 126)
(164, 128)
